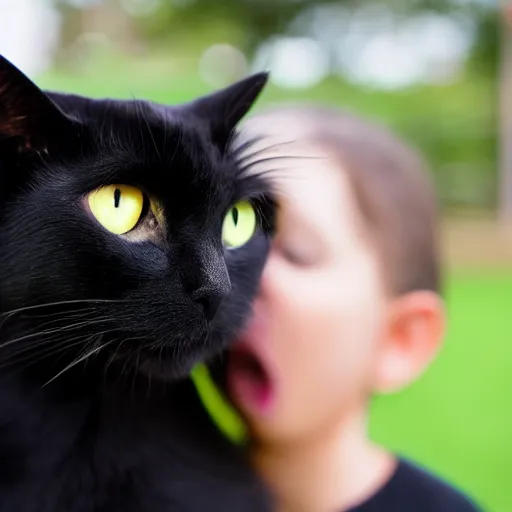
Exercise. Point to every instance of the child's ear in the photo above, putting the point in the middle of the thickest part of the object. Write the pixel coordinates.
(414, 334)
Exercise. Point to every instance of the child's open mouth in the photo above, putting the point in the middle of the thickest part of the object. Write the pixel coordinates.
(248, 380)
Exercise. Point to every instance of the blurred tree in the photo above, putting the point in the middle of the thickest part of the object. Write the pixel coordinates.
(251, 22)
(505, 185)
(486, 49)
(260, 19)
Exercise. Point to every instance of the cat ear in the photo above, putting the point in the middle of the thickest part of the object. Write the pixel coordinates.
(27, 114)
(225, 108)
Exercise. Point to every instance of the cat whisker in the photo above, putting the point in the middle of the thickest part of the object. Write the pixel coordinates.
(237, 149)
(95, 319)
(241, 157)
(62, 322)
(64, 303)
(78, 361)
(248, 166)
(33, 356)
(127, 359)
(73, 313)
(55, 343)
(149, 130)
(56, 330)
(113, 357)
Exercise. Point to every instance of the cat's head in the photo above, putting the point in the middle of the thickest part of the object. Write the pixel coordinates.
(127, 229)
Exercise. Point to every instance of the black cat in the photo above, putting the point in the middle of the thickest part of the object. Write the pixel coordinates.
(131, 244)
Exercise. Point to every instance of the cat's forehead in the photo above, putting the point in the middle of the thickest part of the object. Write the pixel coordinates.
(163, 149)
(120, 121)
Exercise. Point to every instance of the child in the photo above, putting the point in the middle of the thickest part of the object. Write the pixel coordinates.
(349, 306)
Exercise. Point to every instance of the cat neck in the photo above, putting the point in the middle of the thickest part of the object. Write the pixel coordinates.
(107, 441)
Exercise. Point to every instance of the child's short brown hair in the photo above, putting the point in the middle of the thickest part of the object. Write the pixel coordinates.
(392, 190)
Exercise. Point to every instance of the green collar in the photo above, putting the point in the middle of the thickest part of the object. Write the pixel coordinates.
(218, 407)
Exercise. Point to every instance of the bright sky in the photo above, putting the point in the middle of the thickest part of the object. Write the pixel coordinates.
(28, 33)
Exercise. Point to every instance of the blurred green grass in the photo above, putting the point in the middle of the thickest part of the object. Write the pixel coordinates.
(457, 420)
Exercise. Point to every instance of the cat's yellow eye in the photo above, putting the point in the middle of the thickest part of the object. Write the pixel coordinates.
(117, 207)
(239, 225)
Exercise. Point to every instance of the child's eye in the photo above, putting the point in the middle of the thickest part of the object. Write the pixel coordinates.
(298, 256)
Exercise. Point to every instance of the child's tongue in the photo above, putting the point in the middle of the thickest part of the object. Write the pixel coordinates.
(248, 381)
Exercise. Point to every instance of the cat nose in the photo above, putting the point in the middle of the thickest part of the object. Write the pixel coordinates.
(206, 278)
(210, 296)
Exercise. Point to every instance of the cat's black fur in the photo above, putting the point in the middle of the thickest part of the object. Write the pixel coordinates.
(103, 434)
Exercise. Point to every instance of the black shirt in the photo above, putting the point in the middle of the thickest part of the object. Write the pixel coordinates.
(412, 489)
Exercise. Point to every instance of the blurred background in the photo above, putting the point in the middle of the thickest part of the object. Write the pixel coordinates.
(437, 71)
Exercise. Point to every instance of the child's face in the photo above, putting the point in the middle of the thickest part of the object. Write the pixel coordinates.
(320, 314)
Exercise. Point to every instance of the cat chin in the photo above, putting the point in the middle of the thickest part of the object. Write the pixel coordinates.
(164, 369)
